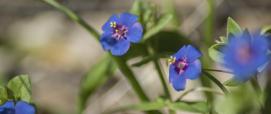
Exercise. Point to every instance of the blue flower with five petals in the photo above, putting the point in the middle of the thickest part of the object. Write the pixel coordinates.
(20, 107)
(184, 65)
(119, 31)
(244, 54)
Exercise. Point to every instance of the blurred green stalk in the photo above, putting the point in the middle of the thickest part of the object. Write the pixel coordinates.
(121, 64)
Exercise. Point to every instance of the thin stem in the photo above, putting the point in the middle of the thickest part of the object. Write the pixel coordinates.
(217, 82)
(131, 78)
(217, 70)
(199, 89)
(121, 64)
(73, 16)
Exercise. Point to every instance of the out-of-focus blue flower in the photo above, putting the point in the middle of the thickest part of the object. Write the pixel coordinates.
(244, 54)
(184, 65)
(119, 31)
(20, 107)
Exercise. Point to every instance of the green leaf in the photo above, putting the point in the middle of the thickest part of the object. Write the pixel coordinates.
(232, 27)
(3, 95)
(148, 59)
(96, 76)
(216, 81)
(215, 52)
(159, 104)
(136, 50)
(20, 86)
(159, 26)
(167, 42)
(145, 106)
(266, 30)
(200, 107)
(136, 7)
(232, 83)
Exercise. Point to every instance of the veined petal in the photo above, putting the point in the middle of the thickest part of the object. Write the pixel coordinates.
(192, 53)
(121, 47)
(172, 73)
(135, 33)
(193, 71)
(128, 19)
(106, 27)
(24, 108)
(179, 83)
(181, 53)
(107, 41)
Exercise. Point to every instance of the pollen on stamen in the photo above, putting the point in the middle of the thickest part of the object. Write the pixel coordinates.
(171, 60)
(113, 24)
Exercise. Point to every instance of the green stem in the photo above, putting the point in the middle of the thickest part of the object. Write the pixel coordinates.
(209, 22)
(73, 16)
(131, 78)
(217, 70)
(217, 82)
(161, 76)
(121, 64)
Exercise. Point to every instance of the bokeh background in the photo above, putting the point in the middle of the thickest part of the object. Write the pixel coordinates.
(36, 39)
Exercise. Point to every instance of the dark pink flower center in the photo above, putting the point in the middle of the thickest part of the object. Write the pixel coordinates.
(180, 65)
(244, 54)
(119, 31)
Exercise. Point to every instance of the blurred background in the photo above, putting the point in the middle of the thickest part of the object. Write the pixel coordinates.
(38, 40)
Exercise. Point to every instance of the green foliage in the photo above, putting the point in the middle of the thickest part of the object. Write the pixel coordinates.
(266, 30)
(3, 95)
(20, 86)
(232, 27)
(215, 52)
(97, 75)
(199, 107)
(242, 100)
(232, 83)
(164, 20)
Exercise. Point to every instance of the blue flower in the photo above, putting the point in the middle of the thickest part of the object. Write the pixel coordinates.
(184, 65)
(20, 107)
(244, 54)
(119, 31)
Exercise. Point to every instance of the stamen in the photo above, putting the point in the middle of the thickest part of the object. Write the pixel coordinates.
(113, 24)
(171, 60)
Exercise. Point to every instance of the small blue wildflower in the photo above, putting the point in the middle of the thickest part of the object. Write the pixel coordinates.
(244, 54)
(184, 65)
(20, 107)
(119, 31)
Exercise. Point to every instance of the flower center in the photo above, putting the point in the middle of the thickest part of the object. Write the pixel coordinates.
(119, 31)
(244, 54)
(180, 65)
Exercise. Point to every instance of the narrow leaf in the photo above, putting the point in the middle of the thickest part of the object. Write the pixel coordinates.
(20, 86)
(200, 107)
(216, 81)
(3, 95)
(215, 54)
(232, 27)
(97, 75)
(159, 26)
(232, 83)
(145, 106)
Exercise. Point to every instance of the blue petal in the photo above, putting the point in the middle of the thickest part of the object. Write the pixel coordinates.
(192, 53)
(135, 33)
(128, 19)
(106, 27)
(181, 53)
(193, 71)
(179, 83)
(121, 47)
(24, 108)
(172, 73)
(107, 41)
(8, 104)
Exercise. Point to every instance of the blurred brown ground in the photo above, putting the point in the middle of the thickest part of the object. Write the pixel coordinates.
(36, 39)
